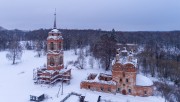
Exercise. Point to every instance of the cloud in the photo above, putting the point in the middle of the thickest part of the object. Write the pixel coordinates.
(91, 14)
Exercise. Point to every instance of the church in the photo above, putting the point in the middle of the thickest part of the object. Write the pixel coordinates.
(124, 78)
(54, 71)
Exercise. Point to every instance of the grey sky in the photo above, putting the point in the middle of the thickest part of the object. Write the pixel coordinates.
(124, 15)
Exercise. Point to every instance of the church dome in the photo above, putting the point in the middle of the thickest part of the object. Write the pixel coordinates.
(117, 66)
(129, 65)
(55, 31)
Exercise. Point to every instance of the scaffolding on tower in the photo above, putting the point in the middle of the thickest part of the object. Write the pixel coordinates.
(51, 77)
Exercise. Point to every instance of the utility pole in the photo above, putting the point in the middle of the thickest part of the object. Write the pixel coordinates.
(62, 84)
(58, 91)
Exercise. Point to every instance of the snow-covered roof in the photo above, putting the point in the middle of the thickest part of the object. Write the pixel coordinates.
(54, 37)
(36, 93)
(143, 81)
(124, 60)
(55, 31)
(96, 79)
(53, 52)
(64, 70)
(133, 61)
(128, 62)
(129, 58)
(124, 50)
(50, 71)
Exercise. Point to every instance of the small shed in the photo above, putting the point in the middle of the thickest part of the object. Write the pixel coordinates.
(37, 97)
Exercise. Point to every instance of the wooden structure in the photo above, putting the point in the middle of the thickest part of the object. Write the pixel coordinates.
(37, 97)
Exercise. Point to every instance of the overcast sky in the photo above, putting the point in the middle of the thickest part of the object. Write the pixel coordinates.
(123, 15)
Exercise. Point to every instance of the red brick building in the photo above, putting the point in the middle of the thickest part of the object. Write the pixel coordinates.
(55, 70)
(124, 78)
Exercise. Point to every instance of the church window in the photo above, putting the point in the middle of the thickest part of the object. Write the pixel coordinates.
(61, 60)
(145, 92)
(60, 45)
(51, 61)
(51, 46)
(109, 89)
(120, 80)
(119, 89)
(127, 80)
(129, 90)
(102, 88)
(123, 74)
(89, 86)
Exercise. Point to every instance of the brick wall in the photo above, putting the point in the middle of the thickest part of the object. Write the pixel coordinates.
(144, 90)
(94, 86)
(125, 78)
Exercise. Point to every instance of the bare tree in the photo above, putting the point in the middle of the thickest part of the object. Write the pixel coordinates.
(75, 51)
(15, 50)
(28, 46)
(91, 62)
(39, 48)
(81, 59)
(99, 63)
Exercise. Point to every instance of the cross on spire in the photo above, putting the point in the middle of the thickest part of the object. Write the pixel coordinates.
(55, 19)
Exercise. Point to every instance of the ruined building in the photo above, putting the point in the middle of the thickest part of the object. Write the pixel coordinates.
(124, 78)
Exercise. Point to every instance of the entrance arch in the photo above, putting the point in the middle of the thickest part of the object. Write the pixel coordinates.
(124, 92)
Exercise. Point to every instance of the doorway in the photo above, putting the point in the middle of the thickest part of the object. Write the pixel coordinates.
(124, 92)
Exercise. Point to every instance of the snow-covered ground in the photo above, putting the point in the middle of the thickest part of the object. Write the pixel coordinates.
(16, 81)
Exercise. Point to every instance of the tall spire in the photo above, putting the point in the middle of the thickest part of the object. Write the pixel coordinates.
(55, 19)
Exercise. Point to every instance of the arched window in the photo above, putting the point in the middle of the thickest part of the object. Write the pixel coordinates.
(60, 45)
(123, 74)
(145, 92)
(120, 80)
(89, 86)
(51, 61)
(51, 46)
(61, 60)
(119, 89)
(102, 88)
(109, 89)
(127, 80)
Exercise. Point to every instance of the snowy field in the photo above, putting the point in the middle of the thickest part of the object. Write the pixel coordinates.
(16, 81)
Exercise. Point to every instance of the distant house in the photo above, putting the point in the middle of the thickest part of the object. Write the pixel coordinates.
(124, 78)
(37, 97)
(128, 46)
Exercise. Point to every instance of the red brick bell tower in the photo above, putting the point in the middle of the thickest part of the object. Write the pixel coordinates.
(55, 49)
(54, 71)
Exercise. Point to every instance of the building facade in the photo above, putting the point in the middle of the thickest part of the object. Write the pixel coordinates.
(124, 78)
(54, 71)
